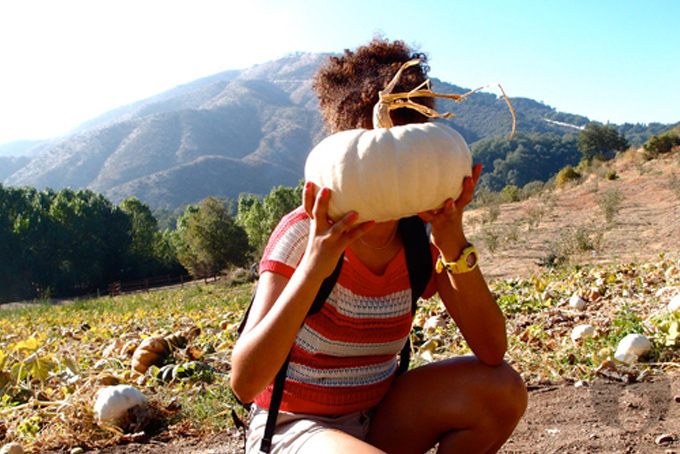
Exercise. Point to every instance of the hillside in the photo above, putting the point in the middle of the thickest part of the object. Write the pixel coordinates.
(645, 224)
(233, 132)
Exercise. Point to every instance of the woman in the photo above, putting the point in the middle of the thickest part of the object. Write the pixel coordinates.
(342, 393)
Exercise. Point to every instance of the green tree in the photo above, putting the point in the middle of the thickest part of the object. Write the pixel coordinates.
(59, 243)
(598, 141)
(251, 216)
(15, 280)
(90, 240)
(148, 254)
(260, 217)
(208, 240)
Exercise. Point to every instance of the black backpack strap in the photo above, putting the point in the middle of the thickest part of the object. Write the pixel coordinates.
(418, 256)
(280, 380)
(274, 404)
(242, 325)
(326, 288)
(419, 264)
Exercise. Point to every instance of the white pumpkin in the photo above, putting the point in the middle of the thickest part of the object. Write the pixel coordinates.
(577, 302)
(117, 405)
(385, 174)
(12, 448)
(674, 304)
(582, 332)
(633, 347)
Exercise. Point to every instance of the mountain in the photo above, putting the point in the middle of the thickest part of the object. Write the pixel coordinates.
(240, 131)
(18, 148)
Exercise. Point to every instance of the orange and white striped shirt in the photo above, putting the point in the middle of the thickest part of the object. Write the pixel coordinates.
(345, 357)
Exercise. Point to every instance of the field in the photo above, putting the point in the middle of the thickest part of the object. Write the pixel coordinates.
(55, 357)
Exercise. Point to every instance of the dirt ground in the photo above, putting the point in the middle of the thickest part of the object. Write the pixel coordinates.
(604, 417)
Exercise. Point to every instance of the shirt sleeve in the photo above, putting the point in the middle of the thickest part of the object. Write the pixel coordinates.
(287, 244)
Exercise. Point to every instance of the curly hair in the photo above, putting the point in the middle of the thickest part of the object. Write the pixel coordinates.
(347, 86)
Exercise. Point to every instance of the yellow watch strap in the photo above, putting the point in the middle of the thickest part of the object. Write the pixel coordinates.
(461, 265)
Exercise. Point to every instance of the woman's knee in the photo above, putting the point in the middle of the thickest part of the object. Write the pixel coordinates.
(511, 393)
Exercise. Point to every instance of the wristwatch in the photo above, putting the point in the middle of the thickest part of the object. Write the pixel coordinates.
(466, 262)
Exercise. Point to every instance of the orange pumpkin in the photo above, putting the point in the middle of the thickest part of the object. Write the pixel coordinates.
(151, 352)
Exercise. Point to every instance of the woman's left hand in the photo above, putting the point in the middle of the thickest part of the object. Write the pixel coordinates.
(447, 222)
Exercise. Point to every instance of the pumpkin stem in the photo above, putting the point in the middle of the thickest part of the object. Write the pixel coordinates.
(391, 101)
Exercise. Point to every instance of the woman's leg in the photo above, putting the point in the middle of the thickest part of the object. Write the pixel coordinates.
(336, 442)
(461, 403)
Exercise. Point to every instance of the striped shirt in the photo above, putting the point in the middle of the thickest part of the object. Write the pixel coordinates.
(345, 357)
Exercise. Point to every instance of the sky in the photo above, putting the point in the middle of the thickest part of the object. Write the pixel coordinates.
(64, 62)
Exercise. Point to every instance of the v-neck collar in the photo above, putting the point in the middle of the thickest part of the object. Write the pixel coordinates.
(398, 258)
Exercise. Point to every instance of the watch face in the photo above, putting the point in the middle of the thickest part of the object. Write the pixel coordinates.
(471, 259)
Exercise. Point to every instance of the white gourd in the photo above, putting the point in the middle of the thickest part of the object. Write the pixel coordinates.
(385, 174)
(674, 304)
(12, 448)
(633, 347)
(113, 403)
(576, 302)
(582, 332)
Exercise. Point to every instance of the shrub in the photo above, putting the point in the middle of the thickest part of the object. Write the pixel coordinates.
(534, 216)
(510, 194)
(610, 203)
(586, 239)
(484, 197)
(552, 259)
(573, 241)
(492, 239)
(566, 175)
(612, 175)
(532, 188)
(238, 276)
(661, 144)
(674, 184)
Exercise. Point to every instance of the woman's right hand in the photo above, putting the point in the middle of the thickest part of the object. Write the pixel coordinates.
(328, 239)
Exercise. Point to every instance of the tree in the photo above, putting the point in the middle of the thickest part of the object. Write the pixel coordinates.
(90, 240)
(59, 243)
(15, 280)
(208, 240)
(251, 216)
(260, 217)
(597, 141)
(148, 251)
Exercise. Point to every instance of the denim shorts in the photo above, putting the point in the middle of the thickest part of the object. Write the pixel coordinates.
(293, 430)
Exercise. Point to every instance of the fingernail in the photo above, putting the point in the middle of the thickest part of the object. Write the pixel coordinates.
(308, 185)
(352, 216)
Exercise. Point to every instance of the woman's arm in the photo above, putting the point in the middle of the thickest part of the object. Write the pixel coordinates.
(467, 296)
(281, 305)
